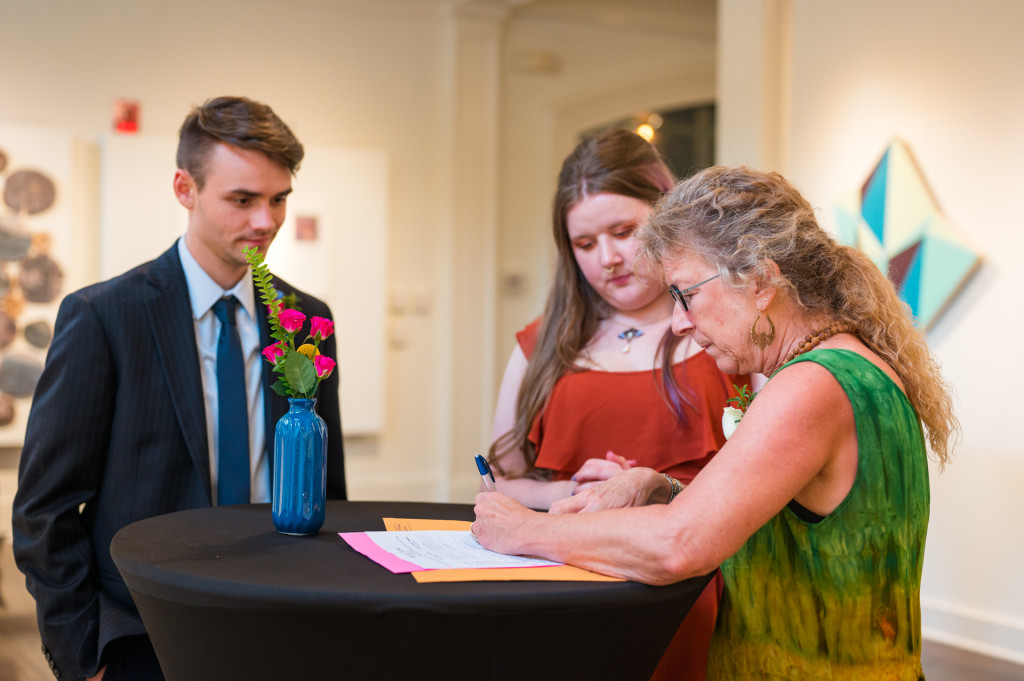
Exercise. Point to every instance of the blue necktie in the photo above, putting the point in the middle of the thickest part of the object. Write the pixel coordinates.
(232, 413)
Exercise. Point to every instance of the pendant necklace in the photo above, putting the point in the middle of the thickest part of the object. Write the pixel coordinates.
(631, 331)
(628, 335)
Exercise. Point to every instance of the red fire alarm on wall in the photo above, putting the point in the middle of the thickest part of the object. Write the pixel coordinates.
(126, 116)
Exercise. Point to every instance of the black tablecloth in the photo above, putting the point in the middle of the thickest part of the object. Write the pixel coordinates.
(225, 596)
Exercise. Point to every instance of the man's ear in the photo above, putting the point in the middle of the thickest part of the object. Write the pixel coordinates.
(185, 189)
(763, 288)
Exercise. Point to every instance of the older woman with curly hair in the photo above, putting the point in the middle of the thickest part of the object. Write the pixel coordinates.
(817, 507)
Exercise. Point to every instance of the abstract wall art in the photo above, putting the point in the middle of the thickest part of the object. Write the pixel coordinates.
(35, 169)
(894, 218)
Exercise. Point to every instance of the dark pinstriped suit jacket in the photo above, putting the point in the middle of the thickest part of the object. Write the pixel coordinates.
(118, 425)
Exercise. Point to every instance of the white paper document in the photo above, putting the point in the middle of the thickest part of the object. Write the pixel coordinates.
(446, 549)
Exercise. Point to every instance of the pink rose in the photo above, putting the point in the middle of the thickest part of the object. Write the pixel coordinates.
(324, 365)
(291, 320)
(273, 353)
(321, 328)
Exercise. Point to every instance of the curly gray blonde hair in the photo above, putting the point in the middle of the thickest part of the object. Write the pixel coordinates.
(741, 220)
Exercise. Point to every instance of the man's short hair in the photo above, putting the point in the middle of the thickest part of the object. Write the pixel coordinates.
(240, 122)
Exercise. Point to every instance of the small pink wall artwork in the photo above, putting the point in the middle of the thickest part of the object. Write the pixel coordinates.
(894, 218)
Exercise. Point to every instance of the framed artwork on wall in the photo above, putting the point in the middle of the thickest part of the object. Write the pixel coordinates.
(35, 248)
(894, 218)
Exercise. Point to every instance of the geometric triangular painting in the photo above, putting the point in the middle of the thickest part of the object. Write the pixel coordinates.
(893, 217)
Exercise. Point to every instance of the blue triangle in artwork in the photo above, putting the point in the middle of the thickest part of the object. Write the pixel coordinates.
(946, 266)
(910, 291)
(872, 205)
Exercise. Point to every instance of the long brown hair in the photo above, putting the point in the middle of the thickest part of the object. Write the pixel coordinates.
(738, 219)
(615, 161)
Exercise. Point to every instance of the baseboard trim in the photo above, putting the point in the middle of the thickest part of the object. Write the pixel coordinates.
(972, 629)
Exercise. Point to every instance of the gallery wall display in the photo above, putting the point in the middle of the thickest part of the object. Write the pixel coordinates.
(894, 218)
(35, 230)
(333, 244)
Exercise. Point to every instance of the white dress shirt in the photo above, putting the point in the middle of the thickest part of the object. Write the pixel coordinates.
(203, 293)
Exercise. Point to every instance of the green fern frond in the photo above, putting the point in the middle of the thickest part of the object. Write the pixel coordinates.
(299, 378)
(268, 294)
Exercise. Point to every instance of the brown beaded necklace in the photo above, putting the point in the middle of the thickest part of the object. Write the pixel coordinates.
(816, 337)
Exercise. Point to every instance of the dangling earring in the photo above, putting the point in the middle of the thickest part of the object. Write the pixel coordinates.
(762, 340)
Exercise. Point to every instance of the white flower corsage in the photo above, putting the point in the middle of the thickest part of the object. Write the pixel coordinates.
(730, 420)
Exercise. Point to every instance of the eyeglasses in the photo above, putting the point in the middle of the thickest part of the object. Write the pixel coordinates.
(681, 296)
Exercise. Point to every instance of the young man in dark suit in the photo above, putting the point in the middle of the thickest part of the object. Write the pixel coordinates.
(125, 423)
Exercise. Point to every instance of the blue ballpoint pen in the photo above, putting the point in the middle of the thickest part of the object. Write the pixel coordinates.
(486, 474)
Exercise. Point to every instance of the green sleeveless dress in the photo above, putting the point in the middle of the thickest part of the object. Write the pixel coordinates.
(841, 598)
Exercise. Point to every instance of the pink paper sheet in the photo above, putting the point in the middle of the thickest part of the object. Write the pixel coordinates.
(364, 545)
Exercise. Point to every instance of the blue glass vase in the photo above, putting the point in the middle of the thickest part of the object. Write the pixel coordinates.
(300, 469)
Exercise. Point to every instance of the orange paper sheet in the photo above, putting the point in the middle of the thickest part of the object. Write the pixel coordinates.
(555, 573)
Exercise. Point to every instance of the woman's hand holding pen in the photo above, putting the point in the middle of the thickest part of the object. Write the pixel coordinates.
(600, 483)
(596, 471)
(498, 518)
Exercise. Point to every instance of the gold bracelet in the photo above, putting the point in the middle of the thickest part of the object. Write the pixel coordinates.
(677, 486)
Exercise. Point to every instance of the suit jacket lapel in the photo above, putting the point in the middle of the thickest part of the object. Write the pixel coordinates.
(170, 316)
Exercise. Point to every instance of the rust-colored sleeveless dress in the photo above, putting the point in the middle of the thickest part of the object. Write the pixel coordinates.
(590, 412)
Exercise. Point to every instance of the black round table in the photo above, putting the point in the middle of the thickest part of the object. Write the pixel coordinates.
(224, 596)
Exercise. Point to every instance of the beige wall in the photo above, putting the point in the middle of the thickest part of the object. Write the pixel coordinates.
(839, 80)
